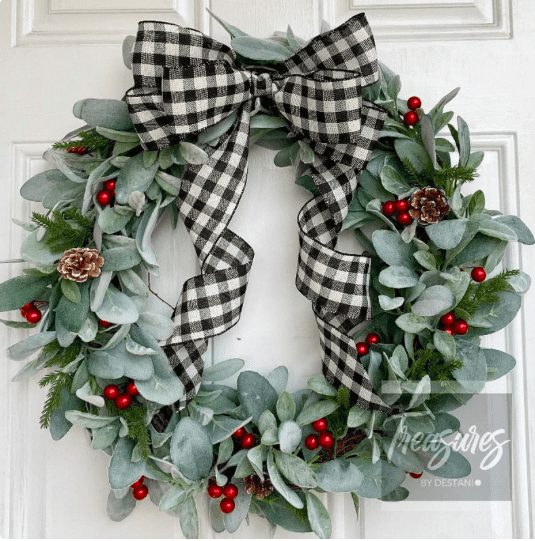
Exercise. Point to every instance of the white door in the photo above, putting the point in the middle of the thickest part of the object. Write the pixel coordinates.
(55, 53)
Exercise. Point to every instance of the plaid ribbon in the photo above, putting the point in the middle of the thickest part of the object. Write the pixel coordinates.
(186, 82)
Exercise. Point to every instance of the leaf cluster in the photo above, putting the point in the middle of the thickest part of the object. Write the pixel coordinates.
(65, 230)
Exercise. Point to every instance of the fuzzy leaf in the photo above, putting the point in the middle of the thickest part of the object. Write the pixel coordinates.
(256, 394)
(21, 290)
(191, 449)
(316, 411)
(318, 516)
(222, 370)
(289, 436)
(398, 277)
(433, 301)
(339, 475)
(278, 482)
(260, 49)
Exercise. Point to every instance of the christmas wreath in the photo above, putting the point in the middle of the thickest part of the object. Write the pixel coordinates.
(177, 147)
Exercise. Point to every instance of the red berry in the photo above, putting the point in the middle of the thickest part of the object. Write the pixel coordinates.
(447, 319)
(123, 401)
(411, 118)
(478, 274)
(214, 491)
(460, 326)
(388, 208)
(104, 198)
(404, 218)
(138, 483)
(104, 323)
(448, 329)
(311, 442)
(131, 388)
(33, 315)
(326, 440)
(247, 441)
(230, 491)
(239, 433)
(414, 103)
(227, 506)
(372, 338)
(320, 425)
(362, 348)
(111, 392)
(24, 309)
(109, 186)
(416, 475)
(141, 492)
(401, 205)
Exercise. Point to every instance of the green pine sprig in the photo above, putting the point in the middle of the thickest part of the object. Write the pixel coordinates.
(91, 140)
(65, 231)
(342, 397)
(430, 362)
(486, 292)
(58, 381)
(137, 430)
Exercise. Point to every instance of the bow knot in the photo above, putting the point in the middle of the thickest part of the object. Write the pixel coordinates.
(262, 85)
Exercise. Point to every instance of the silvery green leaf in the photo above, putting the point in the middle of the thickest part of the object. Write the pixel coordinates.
(71, 290)
(443, 145)
(202, 414)
(455, 466)
(29, 369)
(306, 154)
(95, 177)
(316, 411)
(108, 113)
(222, 427)
(118, 509)
(173, 498)
(459, 284)
(257, 456)
(23, 349)
(402, 456)
(193, 154)
(260, 49)
(407, 235)
(86, 394)
(278, 482)
(233, 520)
(389, 303)
(159, 326)
(99, 286)
(499, 363)
(267, 121)
(412, 323)
(103, 437)
(223, 370)
(256, 394)
(415, 153)
(493, 228)
(357, 417)
(136, 200)
(73, 315)
(420, 393)
(144, 233)
(111, 221)
(285, 407)
(278, 378)
(226, 447)
(64, 168)
(191, 449)
(392, 250)
(439, 107)
(136, 349)
(339, 475)
(123, 430)
(464, 142)
(38, 252)
(270, 436)
(267, 420)
(428, 138)
(65, 337)
(122, 472)
(133, 282)
(117, 307)
(217, 130)
(289, 436)
(134, 177)
(89, 420)
(168, 183)
(379, 478)
(448, 233)
(520, 283)
(392, 181)
(244, 468)
(318, 516)
(473, 374)
(445, 343)
(37, 187)
(232, 30)
(120, 136)
(524, 235)
(216, 517)
(59, 425)
(120, 258)
(433, 301)
(398, 277)
(116, 363)
(426, 259)
(320, 385)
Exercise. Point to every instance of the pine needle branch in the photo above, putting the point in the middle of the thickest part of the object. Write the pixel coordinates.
(58, 381)
(90, 139)
(64, 231)
(137, 430)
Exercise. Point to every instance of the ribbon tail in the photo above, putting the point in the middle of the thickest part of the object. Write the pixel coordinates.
(211, 302)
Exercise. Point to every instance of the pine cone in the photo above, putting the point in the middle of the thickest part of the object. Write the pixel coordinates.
(428, 205)
(79, 264)
(255, 486)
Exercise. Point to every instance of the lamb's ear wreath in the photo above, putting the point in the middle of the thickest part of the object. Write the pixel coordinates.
(178, 145)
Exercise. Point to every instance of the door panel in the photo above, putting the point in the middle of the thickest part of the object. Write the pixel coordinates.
(55, 53)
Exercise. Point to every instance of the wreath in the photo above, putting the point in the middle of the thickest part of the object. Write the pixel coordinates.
(177, 147)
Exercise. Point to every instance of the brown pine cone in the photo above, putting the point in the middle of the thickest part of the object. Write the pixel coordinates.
(428, 206)
(255, 486)
(79, 264)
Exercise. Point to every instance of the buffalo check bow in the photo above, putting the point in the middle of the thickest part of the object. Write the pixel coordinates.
(186, 82)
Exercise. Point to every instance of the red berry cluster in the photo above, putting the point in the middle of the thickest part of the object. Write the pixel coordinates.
(31, 313)
(325, 439)
(77, 150)
(411, 117)
(371, 339)
(247, 440)
(452, 325)
(122, 400)
(229, 493)
(400, 208)
(139, 490)
(106, 196)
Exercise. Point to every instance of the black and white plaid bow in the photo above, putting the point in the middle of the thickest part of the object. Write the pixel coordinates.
(186, 82)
